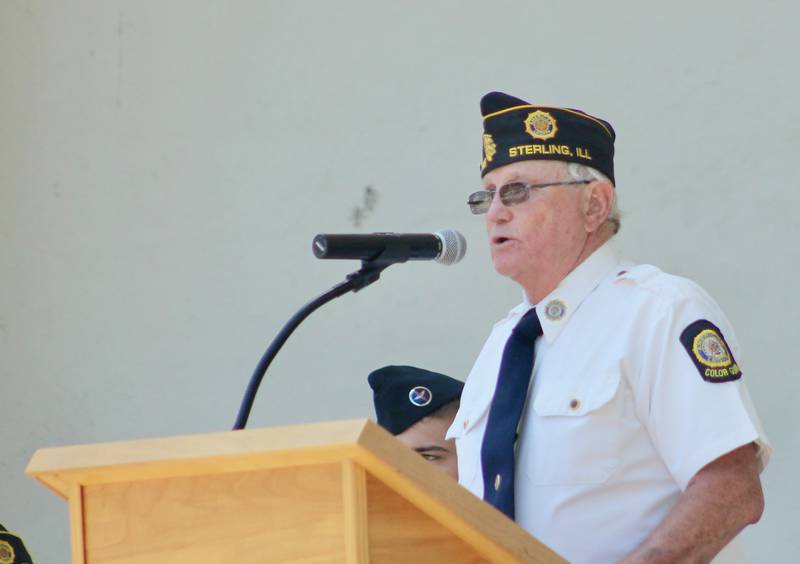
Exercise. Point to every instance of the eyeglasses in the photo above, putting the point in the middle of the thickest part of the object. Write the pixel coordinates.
(510, 194)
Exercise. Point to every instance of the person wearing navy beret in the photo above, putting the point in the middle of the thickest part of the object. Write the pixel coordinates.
(417, 406)
(607, 413)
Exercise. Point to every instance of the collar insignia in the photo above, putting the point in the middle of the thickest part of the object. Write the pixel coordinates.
(555, 310)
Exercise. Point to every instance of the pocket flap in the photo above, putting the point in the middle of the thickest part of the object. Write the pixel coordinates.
(590, 394)
(468, 416)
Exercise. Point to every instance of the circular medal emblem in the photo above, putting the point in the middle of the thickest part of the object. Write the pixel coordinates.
(541, 125)
(555, 310)
(710, 349)
(6, 553)
(420, 396)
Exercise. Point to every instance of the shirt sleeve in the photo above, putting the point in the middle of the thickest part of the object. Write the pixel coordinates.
(690, 389)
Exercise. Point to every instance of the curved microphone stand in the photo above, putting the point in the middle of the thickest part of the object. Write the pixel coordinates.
(369, 272)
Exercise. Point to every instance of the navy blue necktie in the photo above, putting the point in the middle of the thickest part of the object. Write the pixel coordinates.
(497, 449)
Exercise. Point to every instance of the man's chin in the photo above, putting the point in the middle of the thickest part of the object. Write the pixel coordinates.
(510, 269)
(504, 267)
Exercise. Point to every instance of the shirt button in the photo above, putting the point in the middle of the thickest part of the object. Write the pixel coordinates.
(497, 481)
(466, 424)
(575, 404)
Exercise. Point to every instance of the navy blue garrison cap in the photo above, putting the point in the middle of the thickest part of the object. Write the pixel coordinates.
(515, 130)
(404, 394)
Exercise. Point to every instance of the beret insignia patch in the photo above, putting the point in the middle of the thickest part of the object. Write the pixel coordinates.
(420, 396)
(710, 353)
(541, 125)
(6, 553)
(489, 150)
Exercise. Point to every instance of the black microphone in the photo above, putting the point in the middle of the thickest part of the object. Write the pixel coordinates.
(445, 247)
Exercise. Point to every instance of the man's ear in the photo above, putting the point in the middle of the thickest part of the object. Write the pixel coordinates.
(599, 199)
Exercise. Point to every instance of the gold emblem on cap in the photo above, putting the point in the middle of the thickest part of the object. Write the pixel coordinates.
(541, 125)
(489, 150)
(6, 553)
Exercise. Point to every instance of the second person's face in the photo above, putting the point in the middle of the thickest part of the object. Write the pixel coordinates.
(426, 436)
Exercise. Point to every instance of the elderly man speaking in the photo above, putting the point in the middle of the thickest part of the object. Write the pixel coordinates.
(607, 413)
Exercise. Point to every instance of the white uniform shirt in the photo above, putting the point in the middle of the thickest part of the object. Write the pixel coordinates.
(618, 418)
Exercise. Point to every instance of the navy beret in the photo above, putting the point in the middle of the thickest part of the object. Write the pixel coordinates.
(516, 130)
(405, 394)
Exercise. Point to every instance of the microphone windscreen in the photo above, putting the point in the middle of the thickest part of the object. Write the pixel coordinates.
(454, 246)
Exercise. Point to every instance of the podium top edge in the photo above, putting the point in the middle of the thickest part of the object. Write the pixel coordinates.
(260, 441)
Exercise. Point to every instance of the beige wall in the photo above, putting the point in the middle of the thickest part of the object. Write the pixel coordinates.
(165, 165)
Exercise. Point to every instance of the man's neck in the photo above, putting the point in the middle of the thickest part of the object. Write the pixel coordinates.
(538, 289)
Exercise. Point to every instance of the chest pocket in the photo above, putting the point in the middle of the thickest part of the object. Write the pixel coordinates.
(467, 430)
(574, 436)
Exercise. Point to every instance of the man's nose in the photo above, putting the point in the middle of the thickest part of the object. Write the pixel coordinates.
(498, 212)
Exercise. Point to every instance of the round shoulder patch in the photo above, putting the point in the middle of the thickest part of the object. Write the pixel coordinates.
(420, 396)
(709, 352)
(710, 349)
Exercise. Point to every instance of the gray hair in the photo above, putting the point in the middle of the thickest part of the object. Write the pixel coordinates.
(582, 172)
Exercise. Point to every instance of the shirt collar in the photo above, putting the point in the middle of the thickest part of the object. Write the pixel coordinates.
(555, 309)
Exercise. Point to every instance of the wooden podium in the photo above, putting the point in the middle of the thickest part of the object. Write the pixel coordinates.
(345, 491)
